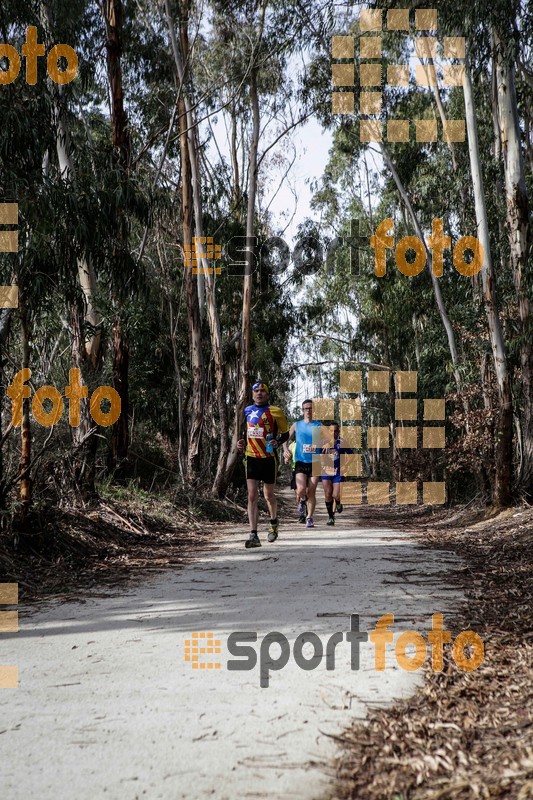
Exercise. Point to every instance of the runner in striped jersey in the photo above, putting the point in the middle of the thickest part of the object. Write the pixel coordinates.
(266, 429)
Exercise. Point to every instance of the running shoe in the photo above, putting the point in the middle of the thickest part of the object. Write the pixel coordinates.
(331, 521)
(338, 508)
(302, 518)
(273, 532)
(253, 541)
(302, 508)
(310, 523)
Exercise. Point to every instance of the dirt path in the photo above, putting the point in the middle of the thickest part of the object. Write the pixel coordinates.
(108, 706)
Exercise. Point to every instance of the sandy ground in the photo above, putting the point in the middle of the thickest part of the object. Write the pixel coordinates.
(107, 705)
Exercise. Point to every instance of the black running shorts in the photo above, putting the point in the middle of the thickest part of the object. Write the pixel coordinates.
(262, 469)
(304, 468)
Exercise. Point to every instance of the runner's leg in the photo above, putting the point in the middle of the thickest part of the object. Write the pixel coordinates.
(301, 486)
(269, 492)
(312, 483)
(328, 496)
(253, 496)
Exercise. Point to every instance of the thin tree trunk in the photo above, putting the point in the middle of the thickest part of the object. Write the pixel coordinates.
(436, 288)
(235, 162)
(121, 363)
(245, 356)
(86, 273)
(451, 145)
(25, 431)
(86, 344)
(504, 424)
(179, 387)
(112, 11)
(85, 443)
(206, 284)
(196, 417)
(181, 60)
(5, 324)
(245, 360)
(518, 227)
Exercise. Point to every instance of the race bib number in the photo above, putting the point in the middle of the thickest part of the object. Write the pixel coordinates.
(255, 432)
(309, 448)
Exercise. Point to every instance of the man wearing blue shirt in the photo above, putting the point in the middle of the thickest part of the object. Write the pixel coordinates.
(306, 447)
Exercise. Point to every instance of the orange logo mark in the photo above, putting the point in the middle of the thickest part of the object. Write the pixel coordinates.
(202, 248)
(202, 643)
(9, 623)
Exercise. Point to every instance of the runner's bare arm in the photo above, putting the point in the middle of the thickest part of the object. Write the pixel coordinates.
(241, 443)
(290, 436)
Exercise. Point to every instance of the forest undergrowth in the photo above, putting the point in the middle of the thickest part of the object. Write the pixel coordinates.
(68, 550)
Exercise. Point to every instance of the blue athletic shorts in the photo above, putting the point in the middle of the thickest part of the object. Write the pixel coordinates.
(333, 478)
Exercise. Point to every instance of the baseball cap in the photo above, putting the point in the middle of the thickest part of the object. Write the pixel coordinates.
(259, 385)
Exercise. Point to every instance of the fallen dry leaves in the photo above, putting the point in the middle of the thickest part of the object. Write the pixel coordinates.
(69, 552)
(463, 735)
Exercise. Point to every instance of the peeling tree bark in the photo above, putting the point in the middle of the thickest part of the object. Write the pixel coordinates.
(504, 424)
(519, 232)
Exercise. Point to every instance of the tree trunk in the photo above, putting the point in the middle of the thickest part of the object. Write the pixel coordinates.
(86, 345)
(5, 324)
(86, 273)
(25, 431)
(181, 60)
(504, 423)
(434, 281)
(86, 342)
(196, 417)
(245, 351)
(235, 162)
(84, 440)
(179, 387)
(112, 11)
(206, 286)
(519, 244)
(121, 360)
